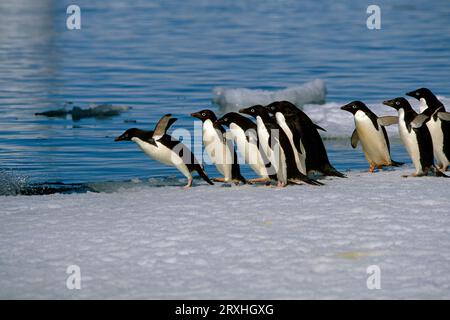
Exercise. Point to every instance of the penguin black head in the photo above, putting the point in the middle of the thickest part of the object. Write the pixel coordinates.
(398, 103)
(205, 115)
(254, 111)
(227, 119)
(421, 93)
(355, 106)
(129, 134)
(285, 107)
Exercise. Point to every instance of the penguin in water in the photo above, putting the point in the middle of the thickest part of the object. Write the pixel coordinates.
(415, 136)
(164, 148)
(244, 133)
(303, 134)
(369, 129)
(277, 147)
(219, 148)
(438, 124)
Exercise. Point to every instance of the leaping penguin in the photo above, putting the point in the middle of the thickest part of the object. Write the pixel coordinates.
(438, 125)
(245, 136)
(220, 150)
(164, 148)
(277, 147)
(369, 129)
(415, 136)
(305, 137)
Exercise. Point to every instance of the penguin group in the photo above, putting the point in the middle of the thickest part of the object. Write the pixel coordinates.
(426, 135)
(283, 145)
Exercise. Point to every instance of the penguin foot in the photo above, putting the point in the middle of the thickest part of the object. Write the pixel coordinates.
(372, 168)
(218, 179)
(281, 184)
(257, 180)
(189, 184)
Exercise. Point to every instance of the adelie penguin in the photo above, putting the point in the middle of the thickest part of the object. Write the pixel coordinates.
(164, 148)
(277, 147)
(304, 137)
(415, 136)
(243, 131)
(438, 124)
(369, 129)
(220, 150)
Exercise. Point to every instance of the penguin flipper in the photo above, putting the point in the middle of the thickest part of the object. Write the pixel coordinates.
(387, 120)
(444, 116)
(419, 120)
(163, 125)
(354, 139)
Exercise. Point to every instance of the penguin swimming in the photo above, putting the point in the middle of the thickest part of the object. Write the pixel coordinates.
(164, 148)
(438, 125)
(277, 147)
(245, 136)
(415, 136)
(305, 137)
(220, 150)
(369, 129)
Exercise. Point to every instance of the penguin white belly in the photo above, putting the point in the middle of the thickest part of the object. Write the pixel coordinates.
(300, 158)
(372, 140)
(437, 136)
(218, 151)
(164, 155)
(263, 138)
(410, 141)
(249, 150)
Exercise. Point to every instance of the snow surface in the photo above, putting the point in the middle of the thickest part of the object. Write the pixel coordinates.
(252, 242)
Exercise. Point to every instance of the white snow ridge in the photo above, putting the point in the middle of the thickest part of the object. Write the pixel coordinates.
(313, 92)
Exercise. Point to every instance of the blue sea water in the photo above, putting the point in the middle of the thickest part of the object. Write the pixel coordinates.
(166, 57)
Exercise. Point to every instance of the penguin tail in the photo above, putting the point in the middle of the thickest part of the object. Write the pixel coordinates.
(307, 180)
(439, 173)
(202, 174)
(396, 163)
(329, 170)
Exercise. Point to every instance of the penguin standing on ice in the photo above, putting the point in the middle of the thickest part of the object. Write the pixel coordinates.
(245, 136)
(220, 150)
(415, 136)
(369, 129)
(164, 148)
(277, 147)
(304, 137)
(438, 124)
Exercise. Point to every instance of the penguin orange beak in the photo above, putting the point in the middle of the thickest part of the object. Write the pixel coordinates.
(347, 107)
(390, 103)
(120, 138)
(244, 111)
(412, 94)
(196, 115)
